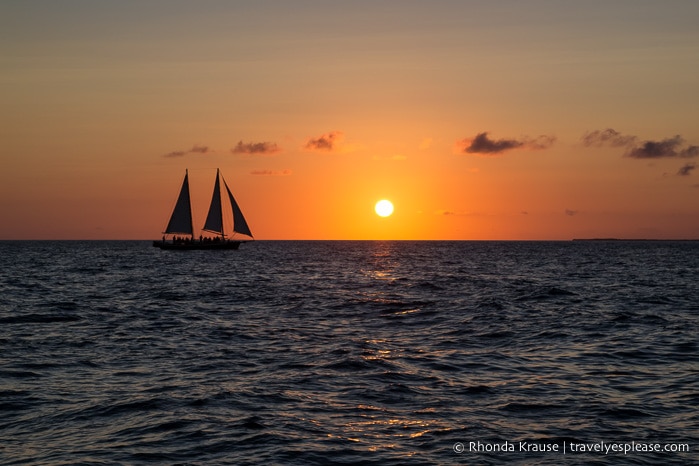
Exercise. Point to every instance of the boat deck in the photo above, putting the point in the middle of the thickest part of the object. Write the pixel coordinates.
(196, 245)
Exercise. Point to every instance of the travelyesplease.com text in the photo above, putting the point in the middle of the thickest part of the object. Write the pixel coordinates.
(606, 448)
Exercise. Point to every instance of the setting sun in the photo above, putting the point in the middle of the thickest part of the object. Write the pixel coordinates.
(384, 208)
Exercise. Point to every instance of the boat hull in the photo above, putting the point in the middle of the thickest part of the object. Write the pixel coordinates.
(197, 245)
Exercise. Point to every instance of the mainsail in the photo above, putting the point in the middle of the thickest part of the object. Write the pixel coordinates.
(214, 220)
(181, 219)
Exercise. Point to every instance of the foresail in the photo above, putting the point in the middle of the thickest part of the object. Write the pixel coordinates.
(181, 219)
(239, 223)
(214, 220)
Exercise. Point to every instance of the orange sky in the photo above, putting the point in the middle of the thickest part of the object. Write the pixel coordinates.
(478, 119)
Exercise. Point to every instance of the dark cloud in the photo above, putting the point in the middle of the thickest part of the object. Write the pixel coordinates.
(257, 148)
(196, 149)
(482, 144)
(687, 169)
(607, 137)
(271, 172)
(637, 149)
(670, 147)
(570, 213)
(327, 142)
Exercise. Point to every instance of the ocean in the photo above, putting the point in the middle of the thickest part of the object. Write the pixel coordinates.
(350, 352)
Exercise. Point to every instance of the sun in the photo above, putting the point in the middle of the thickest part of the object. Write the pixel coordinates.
(383, 208)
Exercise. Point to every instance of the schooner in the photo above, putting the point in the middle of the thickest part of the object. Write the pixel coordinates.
(181, 222)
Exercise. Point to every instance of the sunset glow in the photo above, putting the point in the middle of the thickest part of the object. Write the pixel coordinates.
(524, 126)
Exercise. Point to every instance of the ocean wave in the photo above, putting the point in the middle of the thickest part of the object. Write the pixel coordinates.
(345, 352)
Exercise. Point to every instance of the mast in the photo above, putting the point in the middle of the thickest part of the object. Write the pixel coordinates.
(181, 218)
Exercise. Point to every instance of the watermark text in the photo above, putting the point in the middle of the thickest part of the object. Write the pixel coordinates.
(572, 448)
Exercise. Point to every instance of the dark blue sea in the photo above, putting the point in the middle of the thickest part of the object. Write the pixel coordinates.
(342, 353)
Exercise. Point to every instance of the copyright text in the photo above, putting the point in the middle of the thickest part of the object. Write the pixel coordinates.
(605, 448)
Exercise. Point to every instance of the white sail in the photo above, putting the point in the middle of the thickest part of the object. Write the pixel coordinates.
(181, 219)
(239, 223)
(214, 220)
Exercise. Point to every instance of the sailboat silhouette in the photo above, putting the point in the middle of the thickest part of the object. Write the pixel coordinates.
(181, 222)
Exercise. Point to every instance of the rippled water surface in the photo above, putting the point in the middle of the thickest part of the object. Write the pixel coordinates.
(380, 353)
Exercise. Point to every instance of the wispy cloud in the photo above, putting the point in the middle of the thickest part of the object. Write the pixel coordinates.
(460, 213)
(196, 149)
(256, 148)
(328, 142)
(285, 172)
(482, 144)
(607, 137)
(199, 149)
(673, 147)
(541, 142)
(686, 170)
